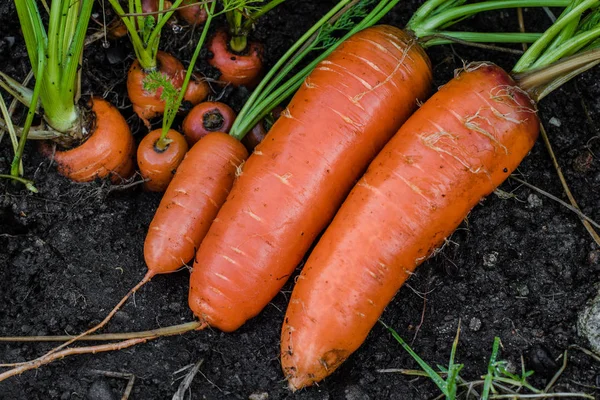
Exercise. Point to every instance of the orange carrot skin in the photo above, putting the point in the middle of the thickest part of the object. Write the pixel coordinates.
(148, 105)
(158, 167)
(108, 151)
(193, 15)
(236, 69)
(190, 204)
(455, 150)
(206, 117)
(295, 180)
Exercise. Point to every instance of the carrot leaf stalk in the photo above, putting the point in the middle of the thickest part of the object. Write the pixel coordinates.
(569, 47)
(242, 16)
(144, 31)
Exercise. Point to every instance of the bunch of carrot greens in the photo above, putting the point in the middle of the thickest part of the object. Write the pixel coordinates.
(96, 137)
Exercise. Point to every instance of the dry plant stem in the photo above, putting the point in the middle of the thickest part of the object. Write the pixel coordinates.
(95, 328)
(130, 380)
(557, 374)
(167, 331)
(521, 25)
(551, 196)
(69, 352)
(563, 182)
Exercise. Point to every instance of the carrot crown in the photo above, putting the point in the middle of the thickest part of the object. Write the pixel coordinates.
(242, 17)
(568, 48)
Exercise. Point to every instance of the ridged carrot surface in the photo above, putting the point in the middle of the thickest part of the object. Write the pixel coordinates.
(108, 151)
(293, 183)
(456, 149)
(188, 207)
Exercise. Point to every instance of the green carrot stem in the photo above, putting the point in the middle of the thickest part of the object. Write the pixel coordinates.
(16, 163)
(15, 89)
(28, 184)
(447, 37)
(259, 13)
(172, 109)
(452, 14)
(536, 49)
(567, 48)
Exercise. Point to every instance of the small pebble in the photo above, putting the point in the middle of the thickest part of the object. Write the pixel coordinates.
(355, 393)
(555, 122)
(475, 324)
(523, 290)
(534, 201)
(259, 396)
(100, 390)
(489, 260)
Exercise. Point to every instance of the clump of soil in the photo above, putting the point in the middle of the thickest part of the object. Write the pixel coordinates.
(520, 267)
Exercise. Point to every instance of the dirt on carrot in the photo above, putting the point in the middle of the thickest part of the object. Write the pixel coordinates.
(519, 268)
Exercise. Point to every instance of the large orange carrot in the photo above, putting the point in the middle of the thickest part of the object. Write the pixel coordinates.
(191, 202)
(457, 148)
(292, 184)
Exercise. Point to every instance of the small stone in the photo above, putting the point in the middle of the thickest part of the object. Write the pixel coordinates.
(588, 323)
(523, 290)
(355, 393)
(534, 201)
(259, 396)
(490, 259)
(593, 258)
(100, 390)
(555, 122)
(475, 324)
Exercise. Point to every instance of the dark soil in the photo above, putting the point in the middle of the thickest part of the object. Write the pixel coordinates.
(520, 268)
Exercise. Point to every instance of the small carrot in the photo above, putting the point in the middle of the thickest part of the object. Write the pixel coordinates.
(241, 68)
(148, 104)
(157, 167)
(191, 202)
(192, 12)
(456, 149)
(210, 116)
(108, 151)
(240, 61)
(145, 37)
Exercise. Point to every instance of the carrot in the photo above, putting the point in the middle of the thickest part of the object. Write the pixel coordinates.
(210, 116)
(294, 181)
(149, 104)
(191, 201)
(421, 186)
(108, 151)
(144, 31)
(237, 68)
(95, 139)
(455, 150)
(158, 166)
(192, 12)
